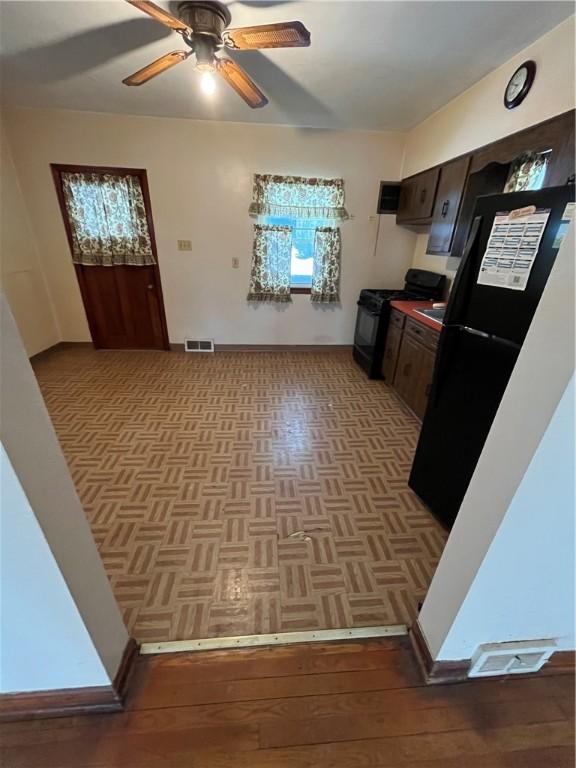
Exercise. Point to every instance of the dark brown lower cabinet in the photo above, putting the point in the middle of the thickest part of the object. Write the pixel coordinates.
(393, 341)
(425, 374)
(409, 362)
(407, 371)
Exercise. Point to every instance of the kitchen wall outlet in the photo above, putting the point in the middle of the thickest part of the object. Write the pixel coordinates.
(184, 245)
(235, 262)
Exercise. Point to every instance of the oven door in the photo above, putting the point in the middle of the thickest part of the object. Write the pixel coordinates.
(366, 333)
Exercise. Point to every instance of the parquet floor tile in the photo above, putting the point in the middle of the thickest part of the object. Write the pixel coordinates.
(244, 492)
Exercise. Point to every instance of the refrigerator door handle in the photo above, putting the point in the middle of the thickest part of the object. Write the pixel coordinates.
(474, 332)
(491, 336)
(440, 366)
(506, 342)
(465, 265)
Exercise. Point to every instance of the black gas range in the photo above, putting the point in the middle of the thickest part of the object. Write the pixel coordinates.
(374, 313)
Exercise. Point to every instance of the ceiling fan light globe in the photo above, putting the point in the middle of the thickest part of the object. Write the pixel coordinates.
(204, 50)
(207, 83)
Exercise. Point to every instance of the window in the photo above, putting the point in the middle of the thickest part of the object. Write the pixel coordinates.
(528, 171)
(296, 247)
(302, 254)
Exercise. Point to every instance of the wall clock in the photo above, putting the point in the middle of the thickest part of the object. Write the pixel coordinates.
(519, 84)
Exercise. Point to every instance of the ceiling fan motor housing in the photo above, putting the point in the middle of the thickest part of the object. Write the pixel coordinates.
(208, 20)
(205, 18)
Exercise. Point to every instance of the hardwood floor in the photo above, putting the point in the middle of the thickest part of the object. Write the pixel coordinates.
(342, 705)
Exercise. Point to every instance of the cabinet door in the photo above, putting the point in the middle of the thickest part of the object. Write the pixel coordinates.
(424, 383)
(406, 200)
(406, 378)
(393, 339)
(448, 198)
(417, 195)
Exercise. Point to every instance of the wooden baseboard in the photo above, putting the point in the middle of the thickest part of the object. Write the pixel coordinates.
(59, 703)
(560, 663)
(45, 352)
(72, 701)
(218, 348)
(273, 347)
(125, 670)
(77, 345)
(439, 672)
(283, 347)
(60, 345)
(435, 672)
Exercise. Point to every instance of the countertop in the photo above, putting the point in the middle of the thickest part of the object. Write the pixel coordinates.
(408, 307)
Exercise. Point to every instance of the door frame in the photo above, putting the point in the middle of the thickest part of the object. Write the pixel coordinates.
(57, 169)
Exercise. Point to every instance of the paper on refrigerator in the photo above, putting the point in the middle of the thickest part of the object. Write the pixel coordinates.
(512, 248)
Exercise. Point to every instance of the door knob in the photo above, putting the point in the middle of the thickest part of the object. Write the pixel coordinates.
(150, 287)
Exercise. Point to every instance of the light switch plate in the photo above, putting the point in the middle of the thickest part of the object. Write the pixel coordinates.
(235, 262)
(184, 245)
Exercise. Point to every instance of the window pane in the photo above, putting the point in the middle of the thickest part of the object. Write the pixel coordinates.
(302, 261)
(528, 171)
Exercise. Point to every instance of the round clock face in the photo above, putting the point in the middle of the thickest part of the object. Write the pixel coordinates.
(516, 84)
(519, 84)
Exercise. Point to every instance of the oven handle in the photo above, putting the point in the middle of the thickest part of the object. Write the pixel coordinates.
(368, 312)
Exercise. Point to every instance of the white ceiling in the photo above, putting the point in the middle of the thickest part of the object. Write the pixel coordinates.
(372, 65)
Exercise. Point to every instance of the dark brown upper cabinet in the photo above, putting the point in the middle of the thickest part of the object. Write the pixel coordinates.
(417, 195)
(444, 197)
(448, 198)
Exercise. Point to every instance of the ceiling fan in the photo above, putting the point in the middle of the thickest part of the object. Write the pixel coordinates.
(203, 26)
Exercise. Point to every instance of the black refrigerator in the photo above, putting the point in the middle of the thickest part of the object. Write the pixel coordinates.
(510, 251)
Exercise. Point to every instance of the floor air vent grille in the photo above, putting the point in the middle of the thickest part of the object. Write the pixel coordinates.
(511, 658)
(198, 345)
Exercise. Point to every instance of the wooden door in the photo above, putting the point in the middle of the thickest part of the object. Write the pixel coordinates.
(417, 195)
(424, 383)
(448, 198)
(124, 304)
(407, 368)
(393, 340)
(406, 200)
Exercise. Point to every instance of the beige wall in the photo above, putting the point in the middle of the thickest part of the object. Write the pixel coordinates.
(36, 599)
(22, 277)
(478, 116)
(200, 176)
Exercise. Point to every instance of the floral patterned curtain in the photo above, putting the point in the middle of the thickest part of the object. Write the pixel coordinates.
(107, 217)
(326, 274)
(298, 197)
(270, 275)
(528, 171)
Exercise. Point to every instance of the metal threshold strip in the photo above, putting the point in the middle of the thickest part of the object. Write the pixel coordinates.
(279, 638)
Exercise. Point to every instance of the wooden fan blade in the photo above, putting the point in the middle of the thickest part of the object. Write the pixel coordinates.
(160, 15)
(242, 84)
(156, 68)
(287, 34)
